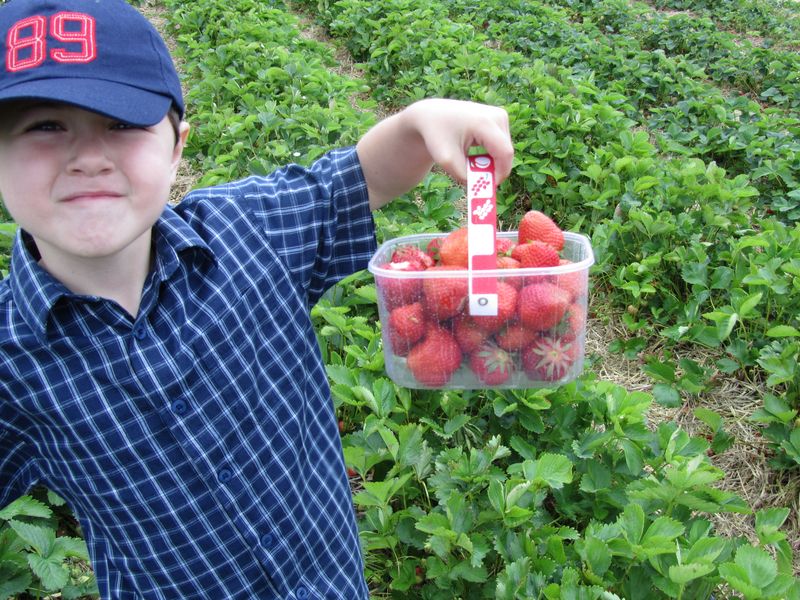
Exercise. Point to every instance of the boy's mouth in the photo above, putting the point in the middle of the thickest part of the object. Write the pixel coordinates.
(92, 195)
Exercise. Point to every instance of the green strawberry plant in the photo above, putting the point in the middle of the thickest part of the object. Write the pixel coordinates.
(37, 560)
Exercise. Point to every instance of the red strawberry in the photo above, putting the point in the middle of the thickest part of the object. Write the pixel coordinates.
(575, 282)
(432, 250)
(491, 364)
(454, 250)
(434, 360)
(406, 326)
(468, 335)
(515, 337)
(549, 358)
(536, 225)
(396, 291)
(445, 297)
(504, 246)
(535, 254)
(411, 254)
(575, 322)
(506, 262)
(542, 305)
(506, 309)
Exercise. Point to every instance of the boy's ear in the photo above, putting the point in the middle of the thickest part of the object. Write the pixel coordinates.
(180, 143)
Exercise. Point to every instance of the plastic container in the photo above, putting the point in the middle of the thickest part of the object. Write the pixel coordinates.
(430, 339)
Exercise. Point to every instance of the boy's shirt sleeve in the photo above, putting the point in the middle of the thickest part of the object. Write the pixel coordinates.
(16, 470)
(316, 218)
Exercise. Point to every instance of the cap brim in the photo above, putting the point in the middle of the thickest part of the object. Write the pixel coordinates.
(117, 101)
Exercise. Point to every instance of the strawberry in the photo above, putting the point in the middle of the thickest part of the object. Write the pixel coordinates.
(504, 246)
(445, 297)
(432, 250)
(396, 291)
(506, 309)
(536, 225)
(454, 250)
(549, 358)
(514, 337)
(575, 321)
(411, 254)
(406, 326)
(491, 364)
(506, 262)
(468, 335)
(575, 282)
(434, 360)
(542, 305)
(535, 254)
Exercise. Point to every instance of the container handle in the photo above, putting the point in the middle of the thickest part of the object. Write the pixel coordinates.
(482, 234)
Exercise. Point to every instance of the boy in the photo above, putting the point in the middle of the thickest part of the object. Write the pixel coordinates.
(158, 367)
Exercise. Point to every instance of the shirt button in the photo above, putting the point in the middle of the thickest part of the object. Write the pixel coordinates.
(140, 331)
(179, 407)
(224, 475)
(267, 540)
(301, 593)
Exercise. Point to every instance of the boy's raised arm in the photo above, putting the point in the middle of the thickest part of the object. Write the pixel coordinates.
(397, 153)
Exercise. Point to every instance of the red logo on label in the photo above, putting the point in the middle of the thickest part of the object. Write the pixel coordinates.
(26, 42)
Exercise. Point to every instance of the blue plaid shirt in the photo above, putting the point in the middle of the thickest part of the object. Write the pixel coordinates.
(197, 443)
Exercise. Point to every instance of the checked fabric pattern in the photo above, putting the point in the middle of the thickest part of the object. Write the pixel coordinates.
(197, 442)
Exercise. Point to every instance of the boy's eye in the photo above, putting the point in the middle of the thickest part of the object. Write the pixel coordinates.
(123, 126)
(44, 126)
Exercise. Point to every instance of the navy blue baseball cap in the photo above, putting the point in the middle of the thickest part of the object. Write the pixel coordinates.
(100, 55)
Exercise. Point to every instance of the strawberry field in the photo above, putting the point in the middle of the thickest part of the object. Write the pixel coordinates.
(668, 132)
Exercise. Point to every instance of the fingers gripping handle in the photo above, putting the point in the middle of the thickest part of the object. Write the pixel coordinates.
(482, 234)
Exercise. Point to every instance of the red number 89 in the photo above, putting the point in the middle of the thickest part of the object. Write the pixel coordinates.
(35, 40)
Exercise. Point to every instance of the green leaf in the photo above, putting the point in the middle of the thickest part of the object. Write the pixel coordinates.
(51, 573)
(709, 417)
(663, 529)
(15, 584)
(597, 555)
(736, 576)
(760, 567)
(597, 477)
(683, 574)
(705, 550)
(468, 572)
(496, 493)
(25, 506)
(379, 493)
(666, 395)
(782, 331)
(768, 523)
(405, 577)
(41, 539)
(632, 523)
(553, 470)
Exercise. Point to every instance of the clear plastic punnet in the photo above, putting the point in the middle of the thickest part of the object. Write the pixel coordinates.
(527, 331)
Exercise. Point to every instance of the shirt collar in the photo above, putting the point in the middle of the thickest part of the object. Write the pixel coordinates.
(36, 292)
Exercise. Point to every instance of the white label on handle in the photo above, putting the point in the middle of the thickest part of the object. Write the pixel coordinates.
(481, 234)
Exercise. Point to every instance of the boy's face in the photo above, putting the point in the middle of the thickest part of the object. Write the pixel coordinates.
(83, 185)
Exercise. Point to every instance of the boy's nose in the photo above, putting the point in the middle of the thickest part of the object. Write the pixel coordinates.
(89, 156)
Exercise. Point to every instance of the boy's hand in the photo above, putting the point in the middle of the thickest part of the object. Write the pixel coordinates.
(451, 127)
(397, 153)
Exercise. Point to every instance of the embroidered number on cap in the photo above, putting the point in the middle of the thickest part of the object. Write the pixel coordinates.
(26, 41)
(17, 42)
